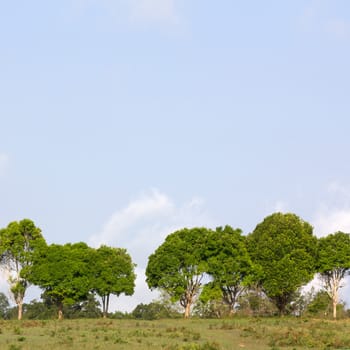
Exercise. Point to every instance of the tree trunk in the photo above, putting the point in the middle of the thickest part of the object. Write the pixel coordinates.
(105, 304)
(18, 291)
(334, 293)
(335, 303)
(106, 309)
(334, 310)
(103, 297)
(187, 310)
(60, 311)
(20, 310)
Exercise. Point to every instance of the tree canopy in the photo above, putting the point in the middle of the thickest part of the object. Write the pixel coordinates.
(333, 264)
(179, 265)
(64, 273)
(113, 273)
(222, 270)
(229, 263)
(18, 243)
(284, 247)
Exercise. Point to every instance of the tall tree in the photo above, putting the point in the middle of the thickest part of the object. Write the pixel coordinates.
(229, 263)
(113, 273)
(178, 266)
(284, 247)
(333, 264)
(18, 242)
(64, 273)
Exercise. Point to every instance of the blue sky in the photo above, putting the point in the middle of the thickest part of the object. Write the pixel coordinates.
(124, 120)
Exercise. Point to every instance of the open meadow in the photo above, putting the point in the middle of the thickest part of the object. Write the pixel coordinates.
(194, 334)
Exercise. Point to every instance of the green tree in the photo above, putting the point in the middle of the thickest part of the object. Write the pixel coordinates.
(333, 264)
(4, 305)
(64, 273)
(39, 310)
(18, 242)
(87, 308)
(47, 309)
(210, 303)
(284, 247)
(255, 302)
(229, 263)
(113, 273)
(320, 304)
(178, 266)
(153, 311)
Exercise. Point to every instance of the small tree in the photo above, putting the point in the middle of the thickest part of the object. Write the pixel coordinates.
(255, 302)
(88, 308)
(18, 242)
(153, 311)
(210, 303)
(229, 263)
(64, 273)
(113, 273)
(178, 266)
(4, 305)
(320, 304)
(333, 264)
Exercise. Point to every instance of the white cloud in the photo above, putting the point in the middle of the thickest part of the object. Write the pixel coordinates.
(317, 17)
(153, 11)
(281, 207)
(334, 213)
(338, 28)
(134, 11)
(4, 160)
(143, 224)
(126, 227)
(335, 188)
(141, 227)
(308, 17)
(328, 221)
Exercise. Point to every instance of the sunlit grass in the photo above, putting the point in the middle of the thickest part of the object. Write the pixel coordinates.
(195, 334)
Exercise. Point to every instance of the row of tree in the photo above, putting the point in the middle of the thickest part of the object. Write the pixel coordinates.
(67, 273)
(211, 267)
(278, 258)
(250, 303)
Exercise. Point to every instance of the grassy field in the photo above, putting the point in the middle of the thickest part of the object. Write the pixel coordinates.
(194, 334)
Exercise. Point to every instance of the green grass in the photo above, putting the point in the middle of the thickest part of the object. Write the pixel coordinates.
(230, 334)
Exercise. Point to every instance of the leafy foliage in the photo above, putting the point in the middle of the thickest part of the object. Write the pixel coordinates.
(254, 302)
(153, 311)
(285, 248)
(18, 243)
(211, 302)
(333, 263)
(179, 264)
(113, 273)
(229, 263)
(4, 305)
(334, 253)
(320, 305)
(63, 271)
(47, 309)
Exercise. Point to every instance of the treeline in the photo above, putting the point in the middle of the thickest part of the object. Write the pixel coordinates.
(68, 274)
(207, 273)
(274, 261)
(89, 308)
(250, 303)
